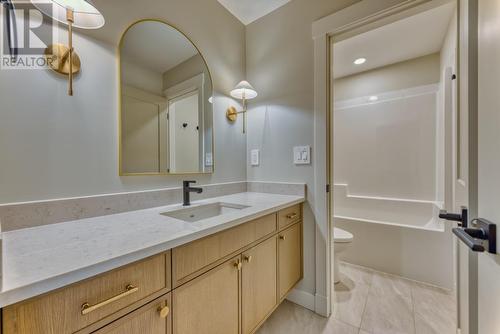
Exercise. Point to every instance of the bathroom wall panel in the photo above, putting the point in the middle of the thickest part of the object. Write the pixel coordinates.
(388, 148)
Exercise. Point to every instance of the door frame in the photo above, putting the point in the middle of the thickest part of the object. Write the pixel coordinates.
(360, 17)
(188, 86)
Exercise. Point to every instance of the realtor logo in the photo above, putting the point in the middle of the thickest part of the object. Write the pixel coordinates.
(25, 35)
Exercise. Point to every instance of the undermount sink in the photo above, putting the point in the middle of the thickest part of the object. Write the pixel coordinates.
(197, 213)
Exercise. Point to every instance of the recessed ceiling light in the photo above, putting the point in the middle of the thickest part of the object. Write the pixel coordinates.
(360, 61)
(373, 98)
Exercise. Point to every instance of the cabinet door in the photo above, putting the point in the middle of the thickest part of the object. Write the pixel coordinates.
(258, 284)
(154, 318)
(203, 254)
(106, 295)
(209, 304)
(289, 258)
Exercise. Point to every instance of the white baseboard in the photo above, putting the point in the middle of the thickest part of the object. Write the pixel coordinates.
(302, 298)
(315, 303)
(321, 305)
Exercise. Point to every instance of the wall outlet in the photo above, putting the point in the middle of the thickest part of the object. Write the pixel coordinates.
(254, 157)
(302, 155)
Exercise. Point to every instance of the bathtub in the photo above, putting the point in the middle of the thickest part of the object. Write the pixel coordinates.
(397, 236)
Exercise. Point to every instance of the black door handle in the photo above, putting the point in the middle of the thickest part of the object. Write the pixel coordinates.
(483, 235)
(474, 244)
(461, 218)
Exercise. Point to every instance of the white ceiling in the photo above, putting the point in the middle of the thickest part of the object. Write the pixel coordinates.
(412, 37)
(156, 46)
(248, 11)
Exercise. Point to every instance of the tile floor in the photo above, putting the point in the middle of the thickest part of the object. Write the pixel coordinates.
(369, 302)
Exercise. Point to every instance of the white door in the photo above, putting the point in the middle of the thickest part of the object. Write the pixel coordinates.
(478, 161)
(458, 189)
(461, 190)
(184, 133)
(489, 160)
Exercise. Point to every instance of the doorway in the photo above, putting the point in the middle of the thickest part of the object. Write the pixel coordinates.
(183, 115)
(390, 100)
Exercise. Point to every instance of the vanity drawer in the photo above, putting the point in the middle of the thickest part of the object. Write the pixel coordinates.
(153, 318)
(63, 311)
(200, 254)
(289, 215)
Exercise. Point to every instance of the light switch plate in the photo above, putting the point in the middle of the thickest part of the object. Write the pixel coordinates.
(254, 157)
(302, 155)
(209, 161)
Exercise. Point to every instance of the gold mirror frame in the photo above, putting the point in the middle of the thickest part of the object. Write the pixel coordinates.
(120, 171)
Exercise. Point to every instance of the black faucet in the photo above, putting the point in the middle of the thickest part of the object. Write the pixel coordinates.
(186, 189)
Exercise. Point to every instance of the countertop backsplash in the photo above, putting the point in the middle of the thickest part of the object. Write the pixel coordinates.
(16, 216)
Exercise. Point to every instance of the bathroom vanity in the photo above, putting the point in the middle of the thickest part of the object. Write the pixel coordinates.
(223, 273)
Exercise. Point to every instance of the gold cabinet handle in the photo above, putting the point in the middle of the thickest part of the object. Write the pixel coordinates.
(129, 289)
(282, 237)
(248, 258)
(238, 265)
(292, 215)
(164, 311)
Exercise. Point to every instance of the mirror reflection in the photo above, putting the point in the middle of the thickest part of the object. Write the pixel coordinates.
(166, 117)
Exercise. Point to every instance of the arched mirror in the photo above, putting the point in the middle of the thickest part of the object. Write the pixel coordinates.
(166, 114)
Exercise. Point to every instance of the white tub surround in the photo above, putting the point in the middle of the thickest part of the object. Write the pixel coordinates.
(387, 148)
(40, 259)
(417, 214)
(389, 234)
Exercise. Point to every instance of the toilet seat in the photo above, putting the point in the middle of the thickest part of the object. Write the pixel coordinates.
(339, 235)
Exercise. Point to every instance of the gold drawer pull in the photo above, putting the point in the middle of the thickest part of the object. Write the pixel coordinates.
(129, 289)
(238, 265)
(292, 215)
(248, 258)
(164, 311)
(282, 237)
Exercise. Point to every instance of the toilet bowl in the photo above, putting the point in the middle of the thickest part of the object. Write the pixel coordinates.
(341, 241)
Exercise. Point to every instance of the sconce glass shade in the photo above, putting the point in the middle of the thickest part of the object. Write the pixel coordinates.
(86, 16)
(244, 89)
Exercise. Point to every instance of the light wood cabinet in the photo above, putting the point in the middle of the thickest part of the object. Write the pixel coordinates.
(258, 284)
(209, 304)
(63, 311)
(199, 255)
(154, 318)
(289, 216)
(289, 258)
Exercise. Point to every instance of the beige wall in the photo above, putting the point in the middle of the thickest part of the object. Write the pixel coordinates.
(54, 146)
(279, 54)
(185, 70)
(140, 77)
(411, 73)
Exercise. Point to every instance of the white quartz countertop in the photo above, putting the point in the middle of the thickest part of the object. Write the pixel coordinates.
(40, 259)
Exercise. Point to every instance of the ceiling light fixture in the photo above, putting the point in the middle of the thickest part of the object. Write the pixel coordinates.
(360, 61)
(373, 98)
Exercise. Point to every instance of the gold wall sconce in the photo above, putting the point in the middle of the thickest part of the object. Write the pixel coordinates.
(74, 13)
(243, 91)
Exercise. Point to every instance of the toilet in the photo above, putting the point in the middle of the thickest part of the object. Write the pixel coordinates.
(341, 241)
